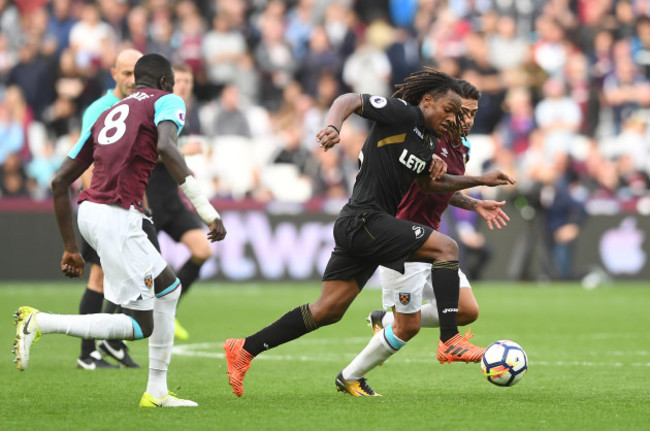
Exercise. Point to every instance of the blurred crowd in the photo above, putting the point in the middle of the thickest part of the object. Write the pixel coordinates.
(565, 87)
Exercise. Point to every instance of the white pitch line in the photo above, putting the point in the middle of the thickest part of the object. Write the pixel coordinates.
(213, 350)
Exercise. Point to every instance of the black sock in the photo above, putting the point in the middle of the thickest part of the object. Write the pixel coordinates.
(91, 302)
(444, 276)
(188, 274)
(110, 308)
(292, 325)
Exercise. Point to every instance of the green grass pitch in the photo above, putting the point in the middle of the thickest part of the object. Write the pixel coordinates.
(589, 366)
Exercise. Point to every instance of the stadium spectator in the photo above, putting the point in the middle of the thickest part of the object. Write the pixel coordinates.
(90, 37)
(33, 75)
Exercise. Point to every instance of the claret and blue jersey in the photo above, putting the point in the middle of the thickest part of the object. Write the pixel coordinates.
(122, 144)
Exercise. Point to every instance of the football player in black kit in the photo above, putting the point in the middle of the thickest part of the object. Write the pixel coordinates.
(398, 150)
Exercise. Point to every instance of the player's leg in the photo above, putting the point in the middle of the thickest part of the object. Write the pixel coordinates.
(167, 291)
(467, 307)
(336, 296)
(342, 280)
(197, 243)
(467, 304)
(452, 347)
(91, 303)
(184, 227)
(402, 293)
(117, 349)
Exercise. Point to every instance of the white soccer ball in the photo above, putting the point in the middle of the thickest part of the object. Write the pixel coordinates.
(504, 363)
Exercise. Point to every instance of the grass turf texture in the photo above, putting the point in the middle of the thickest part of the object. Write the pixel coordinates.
(589, 366)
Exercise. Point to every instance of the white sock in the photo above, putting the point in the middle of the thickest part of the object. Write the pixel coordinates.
(100, 325)
(161, 342)
(429, 317)
(377, 351)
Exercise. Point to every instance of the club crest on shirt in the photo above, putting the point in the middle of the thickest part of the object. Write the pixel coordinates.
(378, 101)
(404, 297)
(148, 281)
(444, 151)
(419, 231)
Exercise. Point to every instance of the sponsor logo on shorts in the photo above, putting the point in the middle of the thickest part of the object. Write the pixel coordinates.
(378, 101)
(148, 281)
(419, 231)
(450, 310)
(404, 298)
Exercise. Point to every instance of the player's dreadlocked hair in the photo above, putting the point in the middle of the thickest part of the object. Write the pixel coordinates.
(432, 82)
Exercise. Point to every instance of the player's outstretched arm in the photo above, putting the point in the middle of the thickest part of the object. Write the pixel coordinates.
(72, 264)
(452, 183)
(488, 209)
(175, 164)
(342, 107)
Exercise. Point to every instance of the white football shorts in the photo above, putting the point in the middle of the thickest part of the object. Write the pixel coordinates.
(130, 262)
(407, 291)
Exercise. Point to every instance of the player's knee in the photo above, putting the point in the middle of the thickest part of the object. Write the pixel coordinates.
(448, 250)
(201, 254)
(142, 323)
(329, 316)
(467, 314)
(326, 314)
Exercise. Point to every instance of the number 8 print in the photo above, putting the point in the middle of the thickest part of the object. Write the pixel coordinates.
(114, 120)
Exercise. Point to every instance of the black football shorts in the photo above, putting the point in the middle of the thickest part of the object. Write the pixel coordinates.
(368, 239)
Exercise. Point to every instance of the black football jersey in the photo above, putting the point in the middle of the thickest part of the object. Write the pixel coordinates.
(397, 149)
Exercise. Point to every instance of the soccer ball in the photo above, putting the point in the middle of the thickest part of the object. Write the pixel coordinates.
(504, 363)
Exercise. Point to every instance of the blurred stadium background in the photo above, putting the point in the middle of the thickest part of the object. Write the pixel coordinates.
(565, 109)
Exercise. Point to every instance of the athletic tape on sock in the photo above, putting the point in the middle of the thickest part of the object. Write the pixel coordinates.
(137, 330)
(169, 289)
(307, 317)
(394, 342)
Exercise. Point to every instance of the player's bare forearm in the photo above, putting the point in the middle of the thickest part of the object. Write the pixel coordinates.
(461, 200)
(70, 170)
(452, 183)
(342, 107)
(447, 184)
(169, 153)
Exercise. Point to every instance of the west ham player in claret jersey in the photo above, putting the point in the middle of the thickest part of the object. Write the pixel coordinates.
(398, 150)
(124, 144)
(403, 293)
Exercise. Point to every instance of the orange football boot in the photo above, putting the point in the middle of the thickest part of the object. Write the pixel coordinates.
(459, 349)
(239, 361)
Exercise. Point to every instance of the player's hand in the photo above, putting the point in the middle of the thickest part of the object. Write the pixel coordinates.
(72, 264)
(217, 230)
(492, 213)
(328, 137)
(497, 178)
(438, 168)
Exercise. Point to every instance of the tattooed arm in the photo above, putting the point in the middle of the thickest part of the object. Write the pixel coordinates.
(490, 210)
(461, 200)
